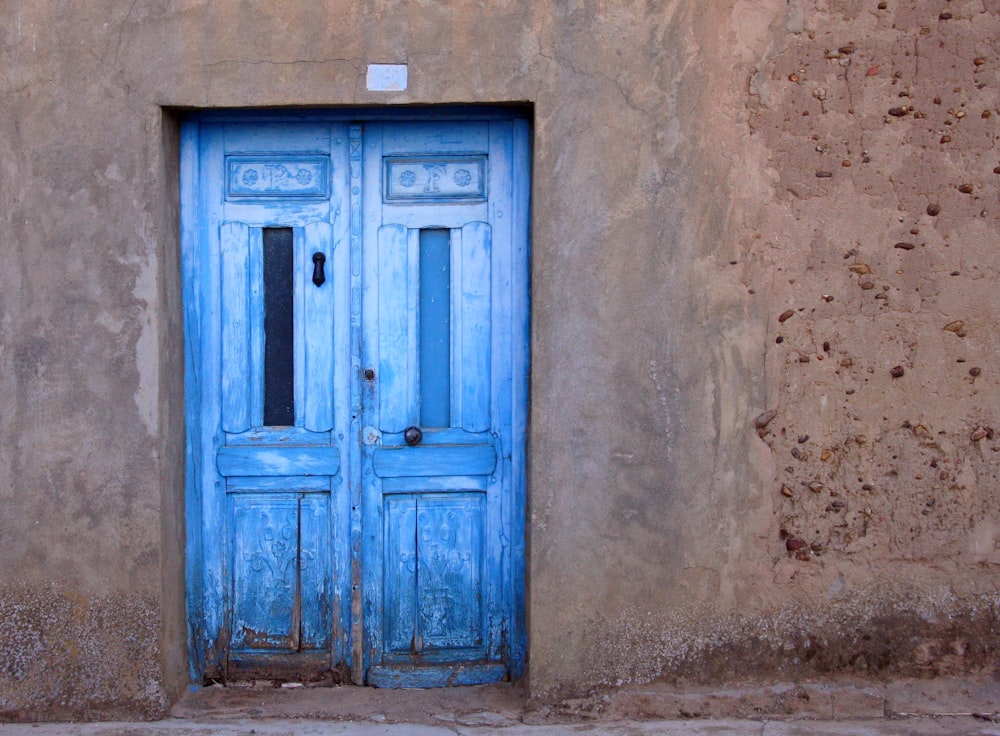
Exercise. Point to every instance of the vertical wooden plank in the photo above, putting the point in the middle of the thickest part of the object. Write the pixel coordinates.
(412, 309)
(256, 282)
(192, 252)
(395, 376)
(520, 355)
(369, 602)
(318, 329)
(400, 577)
(346, 495)
(501, 511)
(450, 536)
(473, 359)
(362, 403)
(213, 507)
(234, 244)
(300, 275)
(314, 569)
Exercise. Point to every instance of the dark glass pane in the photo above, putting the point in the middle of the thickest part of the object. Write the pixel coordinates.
(279, 353)
(435, 328)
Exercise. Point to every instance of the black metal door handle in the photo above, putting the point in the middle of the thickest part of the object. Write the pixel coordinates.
(413, 435)
(318, 275)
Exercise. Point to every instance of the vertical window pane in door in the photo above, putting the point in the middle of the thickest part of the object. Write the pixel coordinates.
(435, 328)
(279, 354)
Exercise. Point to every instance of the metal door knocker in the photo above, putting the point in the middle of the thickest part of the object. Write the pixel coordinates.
(318, 275)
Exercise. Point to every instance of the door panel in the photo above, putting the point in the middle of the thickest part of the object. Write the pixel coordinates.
(450, 595)
(434, 567)
(280, 572)
(345, 285)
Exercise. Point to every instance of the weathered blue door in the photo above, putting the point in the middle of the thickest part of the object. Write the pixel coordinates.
(356, 318)
(444, 350)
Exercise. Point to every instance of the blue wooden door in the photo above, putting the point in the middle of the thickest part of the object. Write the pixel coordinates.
(444, 216)
(355, 312)
(268, 403)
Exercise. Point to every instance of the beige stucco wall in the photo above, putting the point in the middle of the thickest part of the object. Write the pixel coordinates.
(681, 205)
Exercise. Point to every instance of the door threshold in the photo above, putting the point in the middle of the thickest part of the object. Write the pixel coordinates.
(445, 674)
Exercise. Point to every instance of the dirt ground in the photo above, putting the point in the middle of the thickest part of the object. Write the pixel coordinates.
(505, 705)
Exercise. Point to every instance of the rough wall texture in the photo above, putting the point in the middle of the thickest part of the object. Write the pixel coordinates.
(739, 207)
(858, 208)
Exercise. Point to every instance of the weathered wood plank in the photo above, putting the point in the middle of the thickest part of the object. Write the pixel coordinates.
(431, 460)
(242, 460)
(318, 329)
(315, 555)
(451, 674)
(473, 361)
(395, 380)
(234, 244)
(400, 565)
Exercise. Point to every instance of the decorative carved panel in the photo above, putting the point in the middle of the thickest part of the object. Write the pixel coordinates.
(249, 177)
(431, 179)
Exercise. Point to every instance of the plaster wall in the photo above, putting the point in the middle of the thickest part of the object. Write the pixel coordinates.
(724, 198)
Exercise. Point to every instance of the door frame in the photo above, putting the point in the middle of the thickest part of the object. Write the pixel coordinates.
(191, 245)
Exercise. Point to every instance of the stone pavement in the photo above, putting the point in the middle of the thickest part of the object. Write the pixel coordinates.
(913, 726)
(900, 708)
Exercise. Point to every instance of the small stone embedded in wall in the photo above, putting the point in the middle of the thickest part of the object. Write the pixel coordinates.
(764, 419)
(957, 327)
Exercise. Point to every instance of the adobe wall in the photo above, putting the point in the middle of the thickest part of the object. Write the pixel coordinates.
(738, 208)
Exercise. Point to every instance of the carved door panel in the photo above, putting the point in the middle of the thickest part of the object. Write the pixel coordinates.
(356, 318)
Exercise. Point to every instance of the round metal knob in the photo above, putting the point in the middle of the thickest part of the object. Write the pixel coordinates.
(413, 435)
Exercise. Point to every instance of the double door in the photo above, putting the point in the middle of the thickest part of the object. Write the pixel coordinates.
(356, 324)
